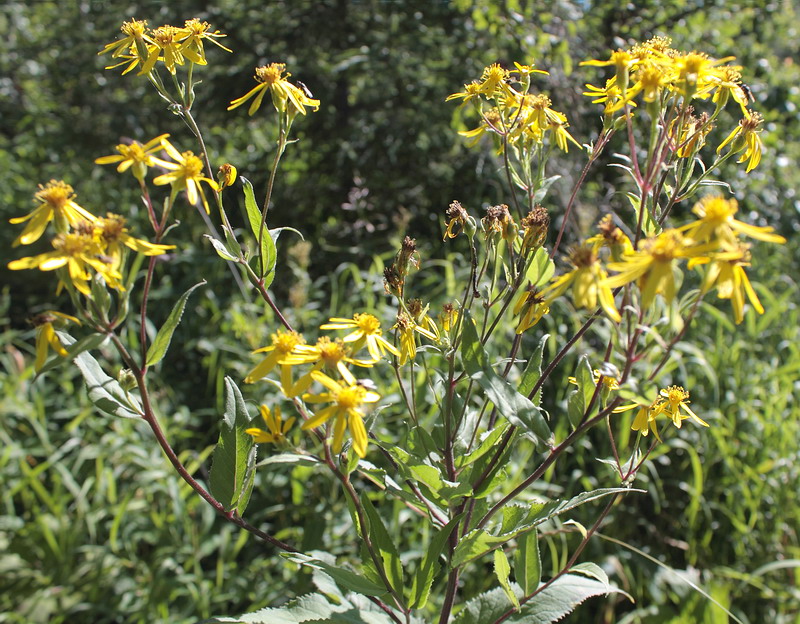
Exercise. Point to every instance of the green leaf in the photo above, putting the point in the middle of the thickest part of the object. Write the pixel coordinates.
(540, 193)
(383, 542)
(312, 608)
(234, 456)
(533, 371)
(104, 392)
(528, 562)
(579, 399)
(502, 570)
(345, 578)
(267, 250)
(423, 579)
(220, 248)
(515, 407)
(160, 345)
(550, 605)
(541, 268)
(73, 347)
(287, 458)
(488, 441)
(592, 570)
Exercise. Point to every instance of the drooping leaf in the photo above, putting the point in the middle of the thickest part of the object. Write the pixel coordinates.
(502, 570)
(104, 392)
(344, 577)
(220, 248)
(160, 345)
(234, 456)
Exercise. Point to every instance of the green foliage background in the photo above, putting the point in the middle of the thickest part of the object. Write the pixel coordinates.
(93, 525)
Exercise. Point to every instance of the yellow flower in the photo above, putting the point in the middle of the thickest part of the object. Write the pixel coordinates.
(56, 201)
(406, 327)
(186, 173)
(530, 307)
(472, 91)
(588, 282)
(448, 317)
(346, 410)
(366, 330)
(677, 399)
(195, 32)
(494, 81)
(717, 223)
(328, 354)
(609, 235)
(77, 251)
(135, 155)
(744, 138)
(623, 62)
(112, 234)
(459, 220)
(226, 176)
(726, 272)
(277, 428)
(283, 343)
(729, 84)
(165, 46)
(645, 420)
(652, 265)
(272, 78)
(134, 32)
(46, 335)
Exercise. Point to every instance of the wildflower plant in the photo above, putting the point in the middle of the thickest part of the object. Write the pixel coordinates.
(464, 407)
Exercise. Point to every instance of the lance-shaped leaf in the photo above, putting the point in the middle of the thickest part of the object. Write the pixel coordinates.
(104, 391)
(580, 399)
(502, 570)
(73, 348)
(528, 562)
(267, 251)
(160, 345)
(343, 577)
(423, 579)
(515, 407)
(533, 371)
(234, 456)
(383, 542)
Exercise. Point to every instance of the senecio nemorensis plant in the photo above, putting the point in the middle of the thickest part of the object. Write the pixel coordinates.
(464, 405)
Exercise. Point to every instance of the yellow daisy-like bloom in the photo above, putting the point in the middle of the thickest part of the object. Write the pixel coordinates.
(726, 272)
(273, 79)
(609, 235)
(46, 335)
(696, 74)
(135, 33)
(56, 202)
(677, 399)
(729, 84)
(166, 46)
(652, 265)
(472, 91)
(530, 308)
(276, 427)
(77, 251)
(134, 156)
(185, 173)
(716, 222)
(493, 80)
(645, 420)
(406, 327)
(744, 138)
(195, 32)
(112, 234)
(588, 282)
(448, 317)
(623, 62)
(366, 331)
(332, 355)
(283, 343)
(346, 410)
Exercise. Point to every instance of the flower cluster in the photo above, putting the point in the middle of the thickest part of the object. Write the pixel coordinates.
(663, 78)
(509, 110)
(712, 240)
(329, 361)
(83, 243)
(172, 45)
